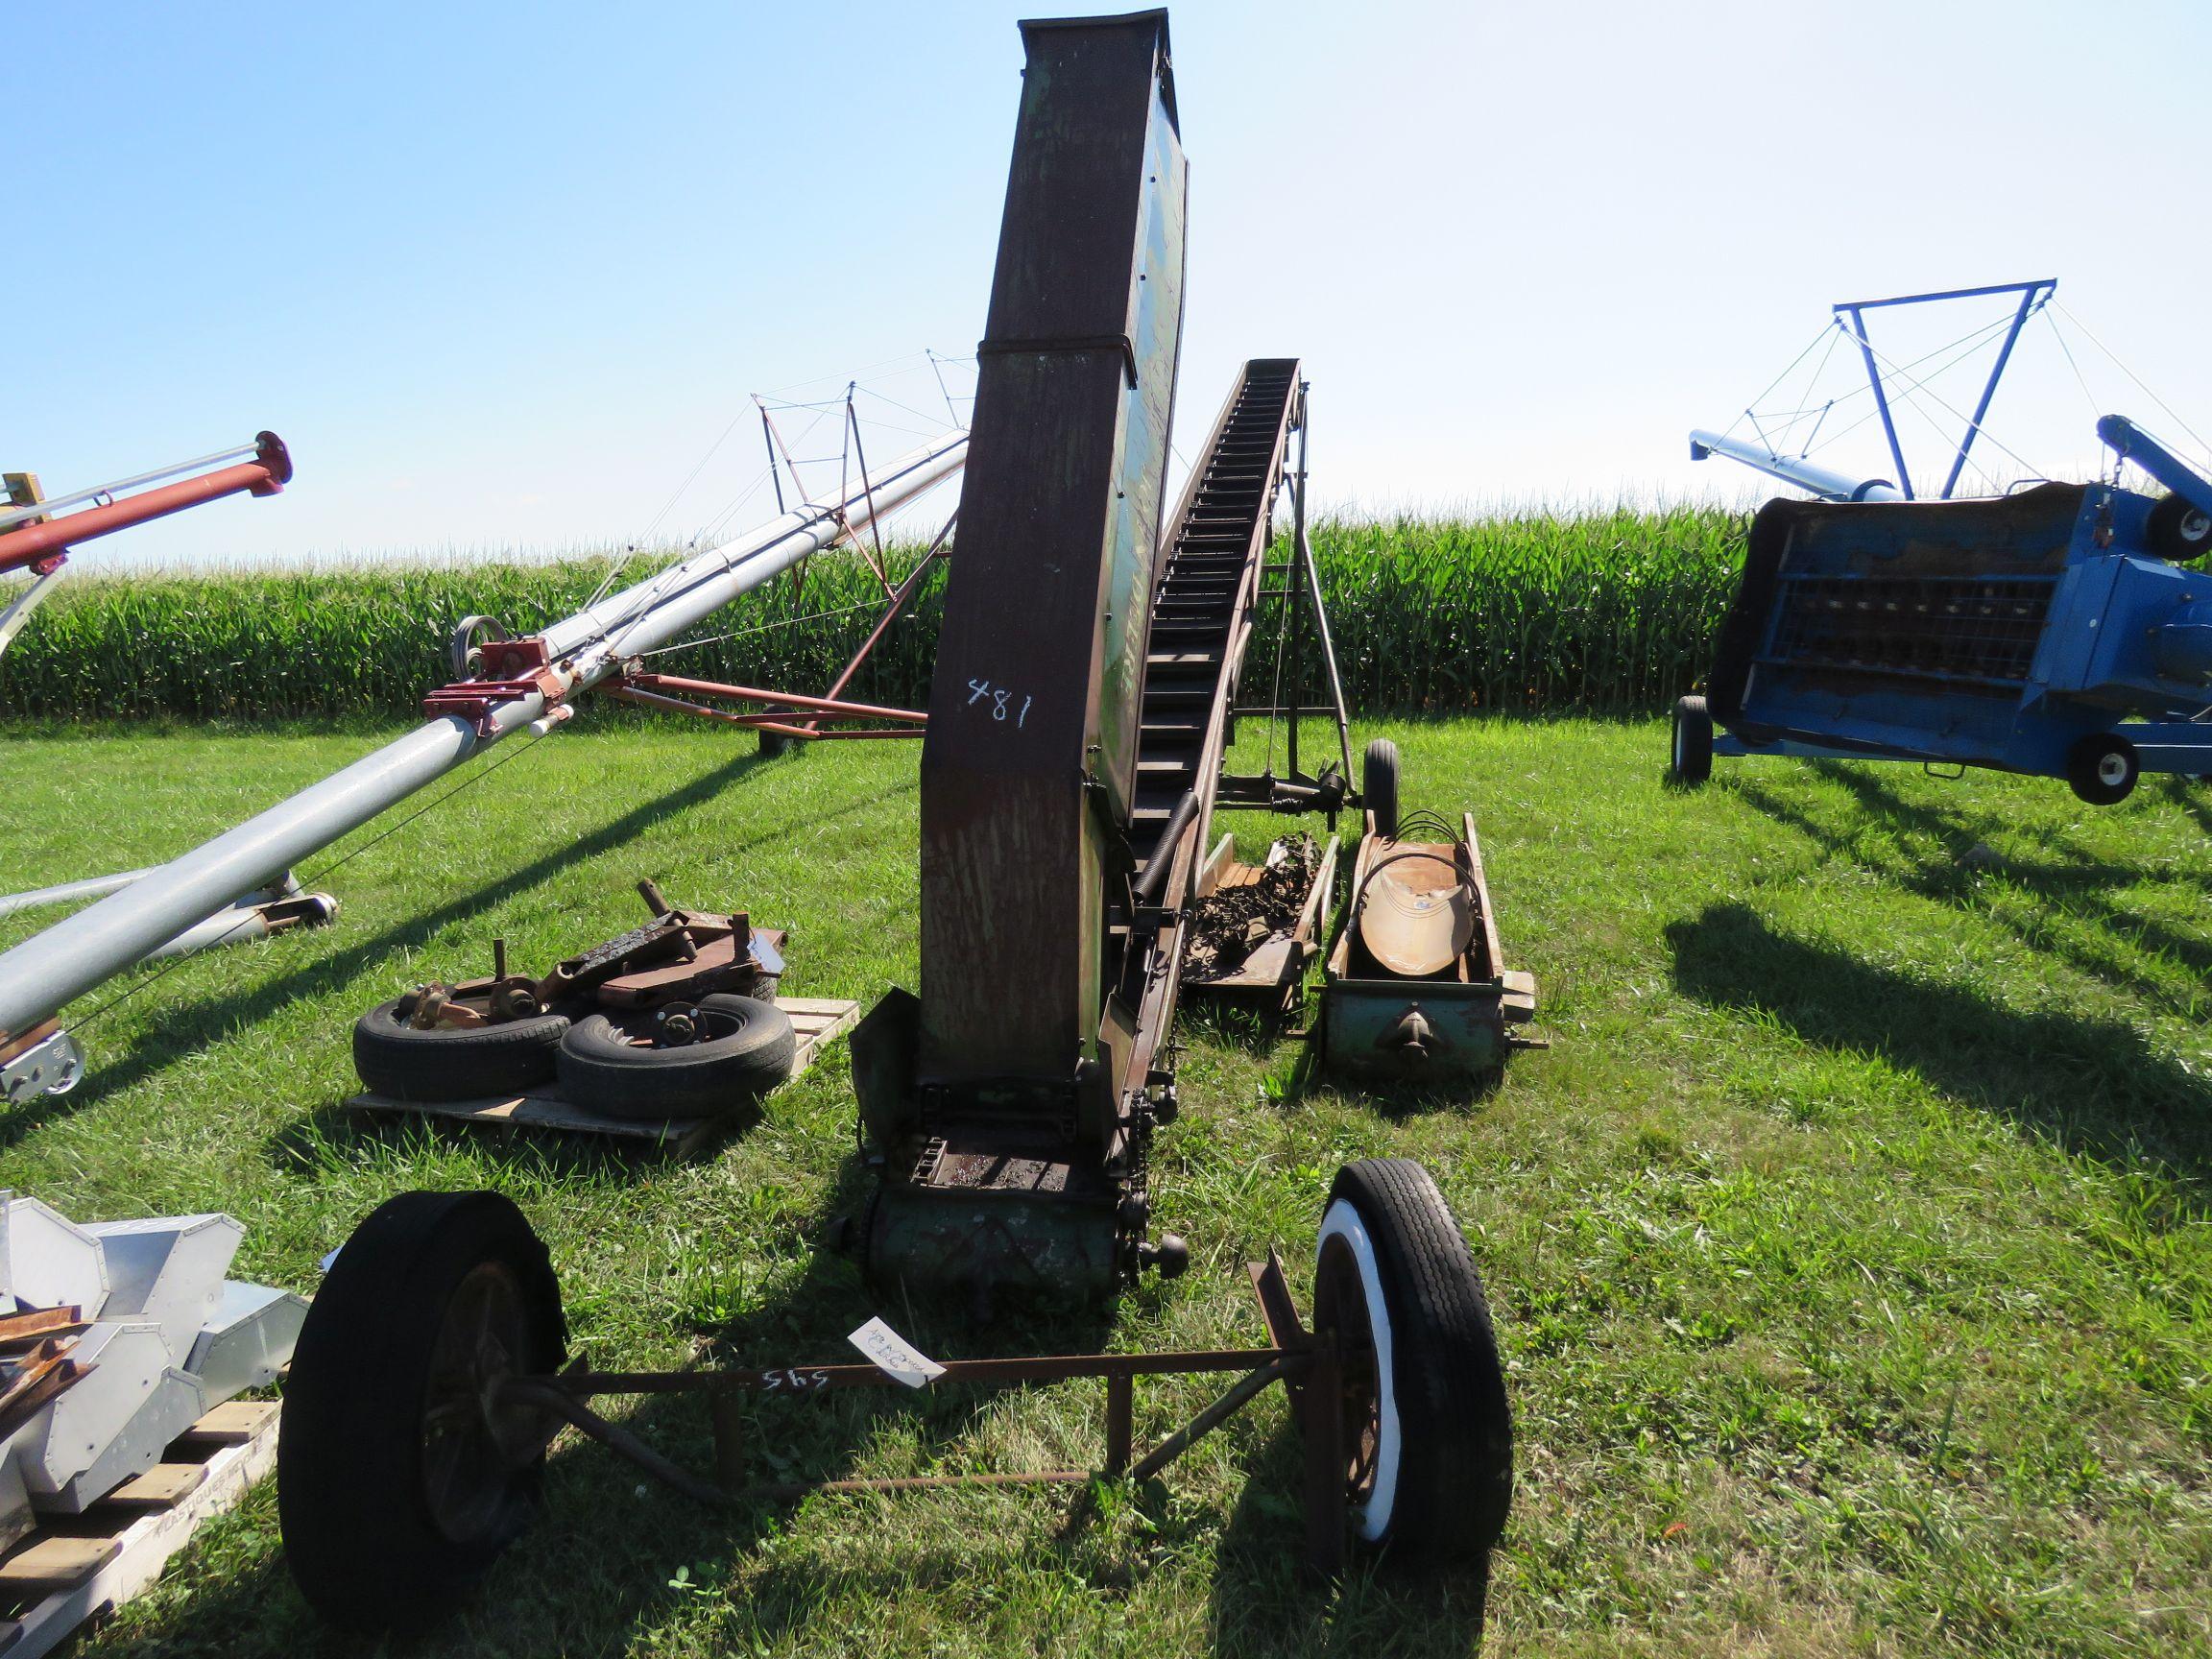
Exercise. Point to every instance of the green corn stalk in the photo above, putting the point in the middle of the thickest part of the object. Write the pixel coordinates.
(1608, 612)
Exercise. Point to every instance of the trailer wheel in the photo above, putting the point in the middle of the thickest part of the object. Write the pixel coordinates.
(1691, 759)
(627, 1066)
(2102, 769)
(2179, 529)
(398, 1481)
(1427, 1429)
(459, 1063)
(1379, 785)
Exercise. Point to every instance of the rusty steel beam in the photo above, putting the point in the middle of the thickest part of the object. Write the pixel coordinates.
(892, 611)
(786, 700)
(47, 539)
(1022, 1368)
(563, 1396)
(769, 723)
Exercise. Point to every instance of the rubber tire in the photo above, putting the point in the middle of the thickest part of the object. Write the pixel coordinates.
(1452, 1463)
(357, 1533)
(1379, 770)
(2179, 530)
(1690, 758)
(600, 1071)
(458, 1063)
(2086, 760)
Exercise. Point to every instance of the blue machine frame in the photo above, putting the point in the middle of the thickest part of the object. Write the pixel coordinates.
(2055, 632)
(2032, 297)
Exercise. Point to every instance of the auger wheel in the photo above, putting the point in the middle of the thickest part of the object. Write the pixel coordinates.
(1425, 1432)
(401, 1475)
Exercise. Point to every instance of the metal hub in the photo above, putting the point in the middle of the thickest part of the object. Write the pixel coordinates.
(1341, 1306)
(472, 1445)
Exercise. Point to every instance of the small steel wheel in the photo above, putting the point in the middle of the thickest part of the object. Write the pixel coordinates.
(1378, 773)
(1689, 759)
(2102, 769)
(452, 1063)
(401, 1474)
(2179, 529)
(1426, 1429)
(683, 1060)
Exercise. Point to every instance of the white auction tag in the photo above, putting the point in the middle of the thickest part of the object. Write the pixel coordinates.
(894, 1356)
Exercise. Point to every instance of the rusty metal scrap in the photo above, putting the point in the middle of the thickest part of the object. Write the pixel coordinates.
(1231, 923)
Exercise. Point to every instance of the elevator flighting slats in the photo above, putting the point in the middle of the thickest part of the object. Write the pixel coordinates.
(1213, 550)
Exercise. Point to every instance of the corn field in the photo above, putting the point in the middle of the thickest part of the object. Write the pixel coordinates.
(1610, 613)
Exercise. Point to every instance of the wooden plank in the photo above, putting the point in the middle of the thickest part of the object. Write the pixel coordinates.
(815, 1019)
(232, 1423)
(1493, 957)
(146, 1540)
(1214, 863)
(1318, 895)
(161, 1485)
(54, 1564)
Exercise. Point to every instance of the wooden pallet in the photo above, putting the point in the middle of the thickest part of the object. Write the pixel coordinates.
(79, 1567)
(816, 1019)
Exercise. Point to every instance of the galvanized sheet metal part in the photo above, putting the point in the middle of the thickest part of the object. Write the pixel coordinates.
(168, 1269)
(247, 1341)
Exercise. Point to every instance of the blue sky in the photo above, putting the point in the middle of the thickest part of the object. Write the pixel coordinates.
(500, 273)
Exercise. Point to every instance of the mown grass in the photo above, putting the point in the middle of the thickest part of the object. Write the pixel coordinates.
(1850, 1246)
(1604, 612)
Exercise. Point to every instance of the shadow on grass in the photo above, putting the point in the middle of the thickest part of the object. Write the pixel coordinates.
(186, 1029)
(1250, 1030)
(2074, 887)
(2092, 1085)
(1308, 1074)
(331, 1136)
(1266, 1602)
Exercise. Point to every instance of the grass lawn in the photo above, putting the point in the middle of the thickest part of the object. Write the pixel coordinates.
(1850, 1245)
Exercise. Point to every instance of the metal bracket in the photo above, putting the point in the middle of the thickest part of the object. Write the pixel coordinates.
(54, 1065)
(27, 600)
(1076, 343)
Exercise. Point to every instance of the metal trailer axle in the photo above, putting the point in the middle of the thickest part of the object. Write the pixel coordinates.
(1305, 1363)
(43, 974)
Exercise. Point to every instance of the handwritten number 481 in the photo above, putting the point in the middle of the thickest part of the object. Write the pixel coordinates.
(978, 689)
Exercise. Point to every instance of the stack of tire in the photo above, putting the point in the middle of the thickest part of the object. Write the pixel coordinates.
(722, 1054)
